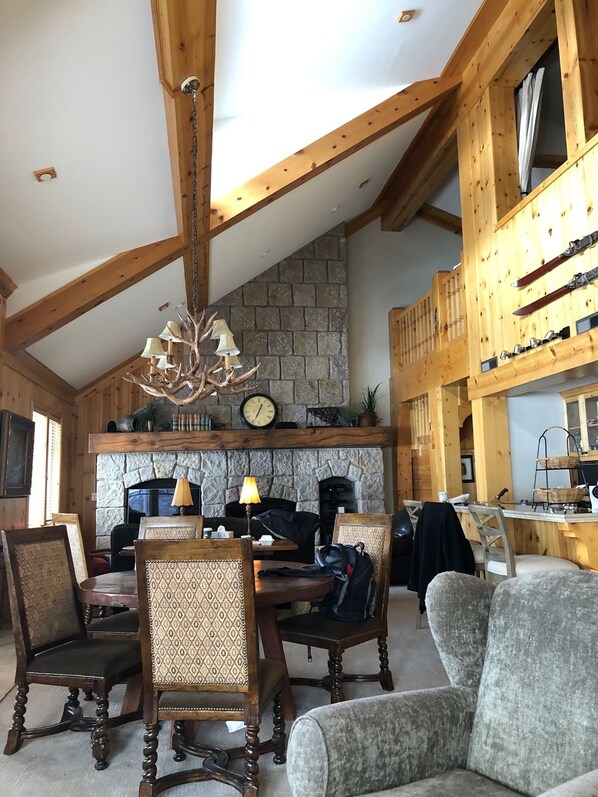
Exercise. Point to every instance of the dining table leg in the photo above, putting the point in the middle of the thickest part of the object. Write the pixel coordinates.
(273, 649)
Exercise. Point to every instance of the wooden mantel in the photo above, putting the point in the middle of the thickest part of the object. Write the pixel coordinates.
(241, 439)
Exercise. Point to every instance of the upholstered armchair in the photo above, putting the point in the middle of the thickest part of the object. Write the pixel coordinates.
(520, 715)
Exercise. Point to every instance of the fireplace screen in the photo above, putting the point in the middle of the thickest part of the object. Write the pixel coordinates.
(154, 498)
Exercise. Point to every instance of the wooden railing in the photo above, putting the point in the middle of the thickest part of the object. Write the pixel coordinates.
(433, 321)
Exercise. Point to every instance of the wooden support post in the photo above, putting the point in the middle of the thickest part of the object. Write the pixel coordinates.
(403, 471)
(439, 309)
(491, 445)
(446, 454)
(577, 26)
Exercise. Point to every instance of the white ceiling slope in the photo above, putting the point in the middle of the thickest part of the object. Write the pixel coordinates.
(80, 92)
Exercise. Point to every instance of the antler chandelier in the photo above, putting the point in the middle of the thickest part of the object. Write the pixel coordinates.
(193, 378)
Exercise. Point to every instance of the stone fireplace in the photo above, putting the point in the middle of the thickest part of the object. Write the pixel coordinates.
(292, 474)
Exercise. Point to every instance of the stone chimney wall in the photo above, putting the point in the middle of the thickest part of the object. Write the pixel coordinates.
(292, 319)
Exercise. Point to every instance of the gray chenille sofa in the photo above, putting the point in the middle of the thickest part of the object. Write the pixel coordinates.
(520, 716)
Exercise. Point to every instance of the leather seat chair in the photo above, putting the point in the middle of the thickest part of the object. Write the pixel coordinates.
(519, 718)
(51, 640)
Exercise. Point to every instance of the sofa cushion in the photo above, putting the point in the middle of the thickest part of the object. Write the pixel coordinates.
(454, 783)
(540, 641)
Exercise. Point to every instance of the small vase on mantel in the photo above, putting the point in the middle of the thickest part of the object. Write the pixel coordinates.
(367, 419)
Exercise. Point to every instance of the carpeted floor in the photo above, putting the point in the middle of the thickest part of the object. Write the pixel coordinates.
(61, 766)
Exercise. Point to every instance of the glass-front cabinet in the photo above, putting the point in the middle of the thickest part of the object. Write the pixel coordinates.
(581, 418)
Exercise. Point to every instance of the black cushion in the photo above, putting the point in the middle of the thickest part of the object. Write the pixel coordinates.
(122, 623)
(91, 658)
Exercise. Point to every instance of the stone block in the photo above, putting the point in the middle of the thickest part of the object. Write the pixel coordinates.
(296, 413)
(145, 474)
(213, 510)
(213, 463)
(107, 519)
(268, 318)
(306, 488)
(269, 368)
(242, 318)
(323, 472)
(371, 460)
(269, 275)
(280, 294)
(189, 459)
(315, 271)
(372, 487)
(326, 247)
(255, 343)
(329, 296)
(292, 367)
(326, 454)
(164, 468)
(305, 461)
(304, 295)
(292, 318)
(306, 391)
(195, 476)
(337, 319)
(372, 507)
(339, 467)
(254, 293)
(222, 414)
(110, 466)
(329, 343)
(103, 542)
(260, 463)
(134, 461)
(291, 270)
(180, 472)
(238, 463)
(309, 506)
(339, 368)
(317, 367)
(316, 318)
(337, 271)
(330, 392)
(129, 479)
(113, 494)
(280, 343)
(282, 462)
(306, 251)
(355, 472)
(232, 299)
(212, 491)
(305, 343)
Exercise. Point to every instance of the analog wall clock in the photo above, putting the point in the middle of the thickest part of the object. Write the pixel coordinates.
(258, 411)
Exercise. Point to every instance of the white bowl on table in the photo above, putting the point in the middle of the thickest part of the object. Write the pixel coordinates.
(266, 539)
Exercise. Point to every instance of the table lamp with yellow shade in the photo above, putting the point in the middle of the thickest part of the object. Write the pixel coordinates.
(249, 495)
(182, 495)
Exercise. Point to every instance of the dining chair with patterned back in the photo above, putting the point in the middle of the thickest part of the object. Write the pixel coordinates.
(51, 641)
(200, 658)
(313, 629)
(499, 559)
(180, 527)
(122, 625)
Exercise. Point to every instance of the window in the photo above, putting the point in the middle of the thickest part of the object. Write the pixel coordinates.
(45, 482)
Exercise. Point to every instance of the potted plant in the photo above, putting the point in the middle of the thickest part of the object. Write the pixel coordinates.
(368, 405)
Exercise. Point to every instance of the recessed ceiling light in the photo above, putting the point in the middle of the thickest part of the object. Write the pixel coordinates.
(42, 175)
(406, 16)
(335, 208)
(265, 252)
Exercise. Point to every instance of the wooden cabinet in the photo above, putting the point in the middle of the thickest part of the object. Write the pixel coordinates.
(581, 418)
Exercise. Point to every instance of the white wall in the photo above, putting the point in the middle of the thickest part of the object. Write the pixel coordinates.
(529, 417)
(386, 270)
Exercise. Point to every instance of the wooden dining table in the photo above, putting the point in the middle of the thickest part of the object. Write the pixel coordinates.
(119, 590)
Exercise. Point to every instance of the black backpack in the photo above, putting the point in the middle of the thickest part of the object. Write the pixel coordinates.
(354, 596)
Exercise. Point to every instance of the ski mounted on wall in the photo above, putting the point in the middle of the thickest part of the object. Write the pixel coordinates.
(574, 248)
(577, 281)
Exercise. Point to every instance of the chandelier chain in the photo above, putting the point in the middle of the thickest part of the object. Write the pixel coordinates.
(194, 244)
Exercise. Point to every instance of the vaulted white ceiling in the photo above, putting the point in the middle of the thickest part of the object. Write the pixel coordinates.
(80, 92)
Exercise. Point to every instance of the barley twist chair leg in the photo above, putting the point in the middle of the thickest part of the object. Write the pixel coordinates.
(150, 760)
(385, 674)
(15, 734)
(72, 706)
(100, 742)
(178, 737)
(279, 735)
(251, 760)
(335, 667)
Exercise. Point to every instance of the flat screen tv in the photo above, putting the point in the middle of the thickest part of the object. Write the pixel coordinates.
(16, 454)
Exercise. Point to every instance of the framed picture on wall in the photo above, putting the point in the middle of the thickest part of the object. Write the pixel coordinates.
(467, 468)
(16, 455)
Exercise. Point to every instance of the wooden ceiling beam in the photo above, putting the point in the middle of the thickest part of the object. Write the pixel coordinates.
(501, 53)
(328, 151)
(185, 33)
(7, 286)
(84, 293)
(441, 218)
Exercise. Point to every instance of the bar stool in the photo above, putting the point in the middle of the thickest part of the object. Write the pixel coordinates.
(499, 559)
